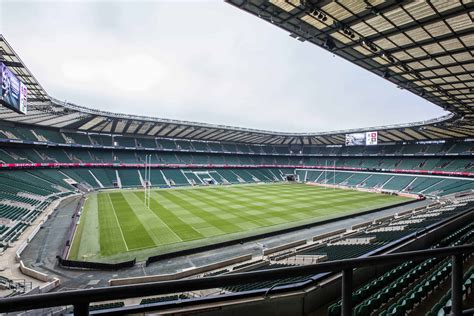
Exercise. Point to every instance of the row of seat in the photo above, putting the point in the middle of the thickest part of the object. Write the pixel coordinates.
(106, 306)
(74, 155)
(267, 284)
(372, 294)
(337, 252)
(162, 299)
(376, 285)
(420, 291)
(443, 307)
(13, 233)
(376, 300)
(12, 212)
(462, 235)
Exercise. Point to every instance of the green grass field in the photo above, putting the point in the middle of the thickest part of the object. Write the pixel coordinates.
(116, 225)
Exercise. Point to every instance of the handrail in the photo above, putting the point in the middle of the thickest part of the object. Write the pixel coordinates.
(82, 298)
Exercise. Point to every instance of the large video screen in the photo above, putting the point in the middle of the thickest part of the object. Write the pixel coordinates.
(355, 139)
(13, 93)
(361, 139)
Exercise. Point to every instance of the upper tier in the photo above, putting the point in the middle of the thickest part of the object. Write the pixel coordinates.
(42, 136)
(10, 133)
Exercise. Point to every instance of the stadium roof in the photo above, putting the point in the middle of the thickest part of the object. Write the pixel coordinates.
(14, 63)
(425, 48)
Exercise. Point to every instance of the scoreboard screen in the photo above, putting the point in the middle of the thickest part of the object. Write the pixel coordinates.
(371, 138)
(13, 93)
(355, 139)
(362, 139)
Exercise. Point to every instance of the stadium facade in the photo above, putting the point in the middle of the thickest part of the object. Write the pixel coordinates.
(59, 151)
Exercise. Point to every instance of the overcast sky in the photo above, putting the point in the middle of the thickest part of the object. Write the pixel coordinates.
(204, 61)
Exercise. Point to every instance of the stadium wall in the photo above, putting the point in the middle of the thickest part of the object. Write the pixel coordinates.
(95, 265)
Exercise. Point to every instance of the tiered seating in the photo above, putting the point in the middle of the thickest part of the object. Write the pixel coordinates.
(385, 234)
(6, 157)
(261, 174)
(81, 175)
(229, 175)
(129, 177)
(103, 140)
(204, 159)
(24, 134)
(146, 142)
(102, 156)
(235, 148)
(193, 178)
(356, 179)
(267, 284)
(166, 157)
(21, 181)
(52, 176)
(163, 299)
(337, 252)
(448, 185)
(126, 157)
(214, 146)
(372, 287)
(241, 148)
(106, 306)
(176, 176)
(106, 176)
(183, 144)
(12, 212)
(3, 229)
(13, 233)
(376, 181)
(157, 179)
(244, 175)
(166, 143)
(198, 146)
(50, 135)
(78, 138)
(443, 307)
(420, 291)
(422, 183)
(398, 183)
(371, 296)
(125, 141)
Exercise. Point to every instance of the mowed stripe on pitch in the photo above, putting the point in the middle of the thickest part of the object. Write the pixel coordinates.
(157, 229)
(110, 237)
(182, 229)
(136, 236)
(188, 201)
(191, 214)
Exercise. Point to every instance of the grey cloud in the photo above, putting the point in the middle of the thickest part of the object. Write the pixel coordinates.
(197, 60)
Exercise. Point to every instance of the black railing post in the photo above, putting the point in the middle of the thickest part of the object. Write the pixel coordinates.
(81, 309)
(346, 292)
(456, 285)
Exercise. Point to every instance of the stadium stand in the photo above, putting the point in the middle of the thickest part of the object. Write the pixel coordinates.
(59, 149)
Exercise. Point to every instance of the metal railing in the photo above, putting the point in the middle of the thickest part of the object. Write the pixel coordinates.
(81, 299)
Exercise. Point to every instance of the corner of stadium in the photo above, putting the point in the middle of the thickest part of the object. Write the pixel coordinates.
(111, 213)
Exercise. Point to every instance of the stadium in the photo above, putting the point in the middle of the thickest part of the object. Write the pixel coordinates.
(112, 213)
